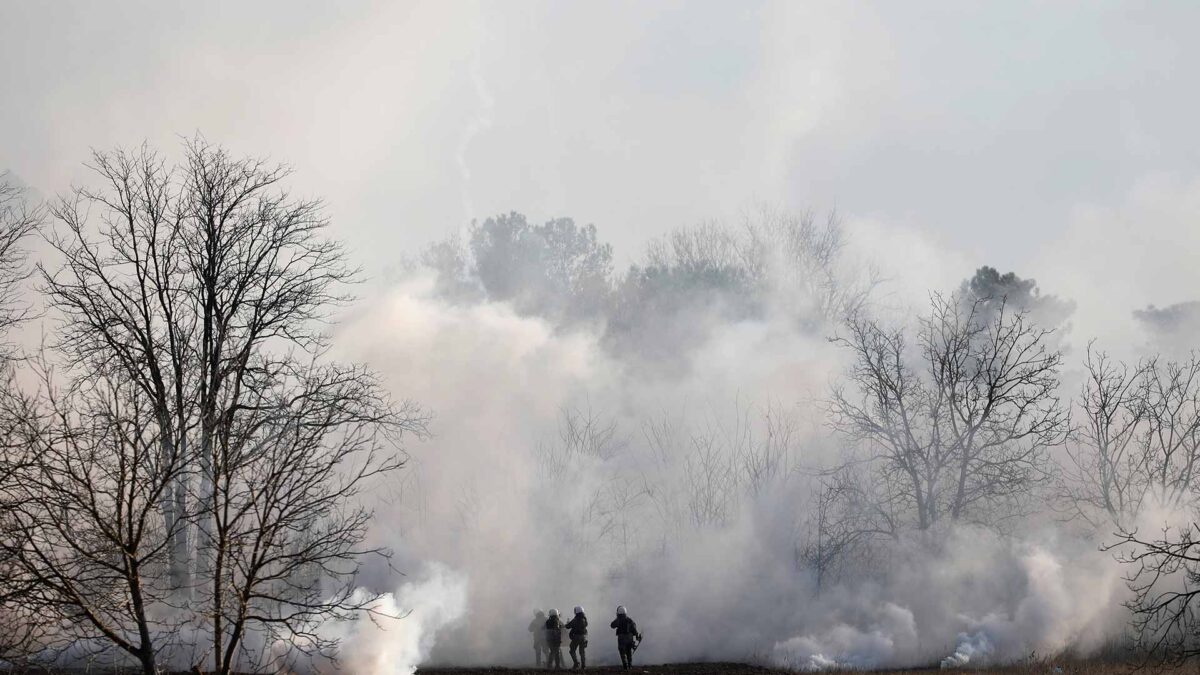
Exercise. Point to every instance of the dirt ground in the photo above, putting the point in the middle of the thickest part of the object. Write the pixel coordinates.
(664, 669)
(1075, 668)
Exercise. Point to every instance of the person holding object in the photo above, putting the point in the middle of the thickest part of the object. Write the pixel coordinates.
(538, 628)
(554, 628)
(578, 634)
(628, 636)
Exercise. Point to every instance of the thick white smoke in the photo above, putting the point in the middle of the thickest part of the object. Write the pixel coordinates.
(487, 495)
(534, 522)
(972, 649)
(398, 633)
(980, 598)
(893, 630)
(424, 609)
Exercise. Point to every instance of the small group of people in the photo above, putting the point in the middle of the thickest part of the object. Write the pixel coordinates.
(548, 638)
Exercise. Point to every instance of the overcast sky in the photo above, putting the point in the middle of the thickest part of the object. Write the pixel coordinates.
(955, 133)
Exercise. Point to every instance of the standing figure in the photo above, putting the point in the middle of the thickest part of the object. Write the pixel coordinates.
(538, 628)
(628, 636)
(554, 628)
(578, 634)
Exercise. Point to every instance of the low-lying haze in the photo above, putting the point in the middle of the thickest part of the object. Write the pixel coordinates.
(658, 431)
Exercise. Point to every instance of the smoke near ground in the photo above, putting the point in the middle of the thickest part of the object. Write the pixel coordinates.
(734, 423)
(754, 437)
(569, 468)
(402, 633)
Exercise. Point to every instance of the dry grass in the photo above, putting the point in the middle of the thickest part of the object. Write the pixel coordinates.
(1053, 668)
(1040, 668)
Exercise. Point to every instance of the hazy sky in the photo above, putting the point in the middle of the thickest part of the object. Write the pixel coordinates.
(958, 132)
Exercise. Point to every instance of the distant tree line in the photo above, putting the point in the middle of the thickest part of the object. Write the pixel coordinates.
(688, 282)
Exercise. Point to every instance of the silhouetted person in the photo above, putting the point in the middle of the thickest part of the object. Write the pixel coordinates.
(628, 636)
(554, 628)
(538, 628)
(578, 634)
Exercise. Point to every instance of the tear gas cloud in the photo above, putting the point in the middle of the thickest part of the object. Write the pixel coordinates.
(564, 473)
(660, 436)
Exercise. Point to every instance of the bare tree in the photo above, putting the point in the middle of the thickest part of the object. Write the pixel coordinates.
(123, 297)
(582, 432)
(1099, 476)
(203, 289)
(806, 260)
(19, 631)
(705, 471)
(696, 278)
(588, 443)
(1139, 439)
(85, 534)
(1163, 572)
(844, 520)
(1139, 446)
(957, 427)
(664, 439)
(790, 255)
(702, 248)
(1170, 441)
(767, 452)
(690, 475)
(287, 526)
(18, 219)
(731, 458)
(710, 481)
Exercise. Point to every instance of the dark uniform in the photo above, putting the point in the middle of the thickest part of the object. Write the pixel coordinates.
(538, 628)
(627, 638)
(554, 642)
(578, 635)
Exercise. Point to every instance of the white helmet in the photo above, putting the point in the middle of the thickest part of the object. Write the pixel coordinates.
(554, 612)
(578, 609)
(620, 610)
